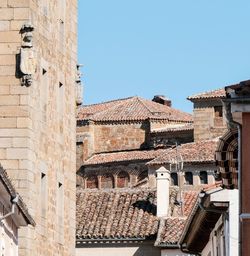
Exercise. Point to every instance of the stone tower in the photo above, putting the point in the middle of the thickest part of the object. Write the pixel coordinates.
(38, 57)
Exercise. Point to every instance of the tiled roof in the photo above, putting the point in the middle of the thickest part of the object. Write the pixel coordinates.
(171, 228)
(116, 214)
(124, 214)
(122, 156)
(177, 128)
(195, 152)
(131, 109)
(219, 93)
(4, 178)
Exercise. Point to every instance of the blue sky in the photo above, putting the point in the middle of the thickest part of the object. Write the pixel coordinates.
(175, 48)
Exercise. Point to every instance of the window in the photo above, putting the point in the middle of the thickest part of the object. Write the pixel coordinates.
(107, 181)
(143, 175)
(122, 180)
(92, 182)
(203, 177)
(218, 111)
(189, 178)
(174, 179)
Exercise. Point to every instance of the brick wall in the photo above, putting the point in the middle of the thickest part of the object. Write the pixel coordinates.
(37, 123)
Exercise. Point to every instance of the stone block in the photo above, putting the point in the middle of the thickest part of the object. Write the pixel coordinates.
(19, 89)
(7, 70)
(5, 142)
(21, 142)
(4, 25)
(14, 132)
(7, 59)
(9, 100)
(6, 13)
(24, 99)
(26, 164)
(24, 122)
(4, 90)
(9, 48)
(9, 164)
(18, 3)
(9, 80)
(3, 3)
(21, 13)
(16, 24)
(17, 153)
(2, 153)
(6, 122)
(10, 37)
(12, 111)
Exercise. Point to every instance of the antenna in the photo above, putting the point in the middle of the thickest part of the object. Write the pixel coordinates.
(179, 170)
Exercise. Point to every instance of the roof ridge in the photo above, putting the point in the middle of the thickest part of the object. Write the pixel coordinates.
(109, 101)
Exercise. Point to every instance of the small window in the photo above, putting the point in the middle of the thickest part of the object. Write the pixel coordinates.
(174, 179)
(107, 181)
(218, 111)
(203, 177)
(143, 175)
(189, 178)
(122, 180)
(92, 182)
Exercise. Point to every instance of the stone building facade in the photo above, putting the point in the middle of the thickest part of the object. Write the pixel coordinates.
(38, 57)
(209, 116)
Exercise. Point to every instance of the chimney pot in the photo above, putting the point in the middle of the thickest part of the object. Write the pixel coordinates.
(163, 182)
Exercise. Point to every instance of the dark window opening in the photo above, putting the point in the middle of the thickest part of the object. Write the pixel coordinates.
(143, 175)
(218, 111)
(174, 179)
(203, 177)
(189, 178)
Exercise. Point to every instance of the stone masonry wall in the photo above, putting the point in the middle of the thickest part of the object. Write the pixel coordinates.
(206, 124)
(37, 123)
(120, 137)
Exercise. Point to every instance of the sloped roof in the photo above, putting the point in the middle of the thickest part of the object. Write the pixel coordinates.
(171, 228)
(194, 152)
(123, 213)
(172, 129)
(131, 109)
(4, 178)
(219, 93)
(122, 156)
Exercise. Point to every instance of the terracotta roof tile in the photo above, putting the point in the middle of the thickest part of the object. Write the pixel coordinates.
(219, 93)
(122, 156)
(131, 109)
(124, 214)
(195, 152)
(171, 228)
(177, 128)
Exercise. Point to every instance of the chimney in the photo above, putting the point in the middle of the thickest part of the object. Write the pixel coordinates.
(161, 99)
(163, 182)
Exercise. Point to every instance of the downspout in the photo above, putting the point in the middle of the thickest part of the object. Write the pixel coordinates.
(14, 202)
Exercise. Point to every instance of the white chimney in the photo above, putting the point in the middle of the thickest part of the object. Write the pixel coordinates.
(163, 182)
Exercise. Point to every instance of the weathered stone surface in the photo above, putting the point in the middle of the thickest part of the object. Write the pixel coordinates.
(6, 13)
